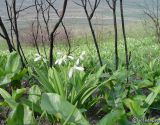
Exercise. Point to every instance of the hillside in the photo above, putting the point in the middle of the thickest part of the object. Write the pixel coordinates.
(75, 14)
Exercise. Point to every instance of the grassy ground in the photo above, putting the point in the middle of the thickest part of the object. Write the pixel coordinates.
(94, 95)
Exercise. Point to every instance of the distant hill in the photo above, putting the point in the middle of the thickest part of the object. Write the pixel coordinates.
(76, 15)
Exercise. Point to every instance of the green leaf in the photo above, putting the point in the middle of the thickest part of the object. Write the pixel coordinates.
(135, 107)
(151, 97)
(56, 105)
(43, 79)
(31, 105)
(54, 78)
(144, 84)
(28, 116)
(8, 99)
(20, 75)
(6, 79)
(18, 93)
(13, 63)
(4, 93)
(112, 118)
(34, 94)
(16, 117)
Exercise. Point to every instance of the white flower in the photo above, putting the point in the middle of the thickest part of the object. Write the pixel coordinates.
(70, 74)
(71, 57)
(79, 68)
(78, 62)
(38, 57)
(59, 53)
(63, 59)
(81, 57)
(73, 70)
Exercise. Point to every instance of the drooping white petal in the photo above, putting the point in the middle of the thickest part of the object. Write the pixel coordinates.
(60, 61)
(82, 55)
(57, 61)
(59, 53)
(71, 57)
(37, 55)
(79, 68)
(70, 74)
(64, 57)
(78, 61)
(45, 60)
(37, 59)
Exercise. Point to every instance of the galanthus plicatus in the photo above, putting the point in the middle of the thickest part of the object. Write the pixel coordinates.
(39, 57)
(63, 59)
(74, 69)
(76, 66)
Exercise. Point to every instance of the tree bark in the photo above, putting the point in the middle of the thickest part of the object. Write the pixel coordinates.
(124, 34)
(6, 36)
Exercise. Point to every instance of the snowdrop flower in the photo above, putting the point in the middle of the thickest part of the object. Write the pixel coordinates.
(78, 62)
(73, 69)
(59, 61)
(81, 57)
(71, 57)
(63, 59)
(59, 53)
(76, 66)
(38, 57)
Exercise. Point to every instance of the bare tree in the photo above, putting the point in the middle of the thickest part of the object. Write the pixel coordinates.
(124, 35)
(88, 4)
(113, 5)
(64, 27)
(13, 12)
(53, 32)
(6, 36)
(152, 11)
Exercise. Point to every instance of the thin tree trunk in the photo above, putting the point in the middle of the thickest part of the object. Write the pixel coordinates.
(116, 36)
(124, 34)
(95, 42)
(6, 36)
(19, 48)
(54, 30)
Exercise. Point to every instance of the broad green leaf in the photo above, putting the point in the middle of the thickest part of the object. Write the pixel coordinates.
(151, 97)
(4, 93)
(135, 107)
(28, 116)
(6, 79)
(12, 103)
(56, 105)
(144, 83)
(31, 105)
(55, 79)
(7, 98)
(112, 118)
(34, 94)
(16, 117)
(13, 63)
(18, 93)
(43, 79)
(21, 115)
(20, 75)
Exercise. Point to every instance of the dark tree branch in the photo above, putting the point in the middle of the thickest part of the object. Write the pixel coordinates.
(89, 17)
(113, 8)
(6, 36)
(55, 29)
(65, 30)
